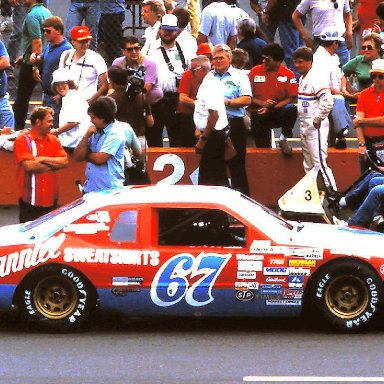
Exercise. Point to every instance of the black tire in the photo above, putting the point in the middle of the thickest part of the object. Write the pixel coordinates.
(56, 297)
(347, 295)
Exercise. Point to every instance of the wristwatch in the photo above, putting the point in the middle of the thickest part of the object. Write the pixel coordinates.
(362, 145)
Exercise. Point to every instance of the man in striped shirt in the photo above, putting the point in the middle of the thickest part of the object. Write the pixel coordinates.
(38, 155)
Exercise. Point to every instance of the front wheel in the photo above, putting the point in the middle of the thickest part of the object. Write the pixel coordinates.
(56, 298)
(347, 295)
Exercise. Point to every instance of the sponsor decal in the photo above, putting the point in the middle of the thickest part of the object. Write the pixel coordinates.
(302, 263)
(283, 302)
(86, 228)
(123, 281)
(299, 271)
(292, 294)
(242, 256)
(250, 265)
(295, 281)
(276, 279)
(100, 217)
(264, 246)
(277, 261)
(111, 256)
(30, 257)
(270, 289)
(246, 285)
(293, 81)
(246, 275)
(276, 271)
(245, 295)
(307, 253)
(187, 277)
(382, 269)
(282, 79)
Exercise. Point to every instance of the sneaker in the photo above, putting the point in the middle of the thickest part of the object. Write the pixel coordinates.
(339, 222)
(285, 147)
(6, 24)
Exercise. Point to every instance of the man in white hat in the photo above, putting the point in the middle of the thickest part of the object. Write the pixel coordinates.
(369, 120)
(172, 61)
(326, 62)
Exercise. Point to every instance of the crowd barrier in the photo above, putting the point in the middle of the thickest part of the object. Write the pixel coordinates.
(270, 174)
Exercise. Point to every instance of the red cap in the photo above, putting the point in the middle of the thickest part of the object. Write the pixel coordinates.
(80, 33)
(204, 49)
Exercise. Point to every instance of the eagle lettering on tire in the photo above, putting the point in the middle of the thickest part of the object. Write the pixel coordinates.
(56, 297)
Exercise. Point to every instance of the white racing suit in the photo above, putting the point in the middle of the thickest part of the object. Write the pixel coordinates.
(315, 102)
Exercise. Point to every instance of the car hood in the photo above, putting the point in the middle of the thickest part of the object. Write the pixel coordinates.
(340, 240)
(15, 234)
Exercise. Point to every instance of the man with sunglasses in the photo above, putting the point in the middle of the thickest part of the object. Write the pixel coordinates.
(369, 120)
(133, 59)
(48, 62)
(32, 42)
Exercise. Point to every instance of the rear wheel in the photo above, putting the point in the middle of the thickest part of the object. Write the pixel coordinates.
(56, 297)
(346, 294)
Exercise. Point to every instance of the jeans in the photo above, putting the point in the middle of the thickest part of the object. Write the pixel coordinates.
(49, 102)
(87, 11)
(261, 126)
(7, 118)
(365, 214)
(356, 197)
(25, 88)
(340, 115)
(19, 13)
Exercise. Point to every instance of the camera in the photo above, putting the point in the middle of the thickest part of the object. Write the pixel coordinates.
(135, 81)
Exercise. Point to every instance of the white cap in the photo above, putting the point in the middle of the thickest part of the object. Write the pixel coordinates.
(331, 34)
(61, 75)
(169, 21)
(154, 1)
(377, 66)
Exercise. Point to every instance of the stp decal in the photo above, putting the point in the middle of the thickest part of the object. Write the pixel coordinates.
(173, 281)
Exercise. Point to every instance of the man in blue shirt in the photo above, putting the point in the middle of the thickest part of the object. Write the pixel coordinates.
(237, 96)
(102, 147)
(48, 62)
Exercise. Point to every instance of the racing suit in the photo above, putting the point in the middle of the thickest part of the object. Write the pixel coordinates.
(315, 101)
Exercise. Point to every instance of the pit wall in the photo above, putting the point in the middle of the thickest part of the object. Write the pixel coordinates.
(270, 174)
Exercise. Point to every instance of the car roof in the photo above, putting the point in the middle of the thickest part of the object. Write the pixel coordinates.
(153, 194)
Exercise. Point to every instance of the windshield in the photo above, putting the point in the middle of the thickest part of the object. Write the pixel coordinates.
(32, 224)
(264, 219)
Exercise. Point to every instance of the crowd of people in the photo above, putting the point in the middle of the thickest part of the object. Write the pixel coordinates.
(206, 72)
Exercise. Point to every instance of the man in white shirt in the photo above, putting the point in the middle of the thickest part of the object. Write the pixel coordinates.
(211, 122)
(172, 61)
(152, 12)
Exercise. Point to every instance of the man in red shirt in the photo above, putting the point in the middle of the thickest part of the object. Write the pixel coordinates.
(369, 120)
(38, 156)
(274, 89)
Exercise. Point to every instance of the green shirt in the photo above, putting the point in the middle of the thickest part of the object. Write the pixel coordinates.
(360, 67)
(33, 29)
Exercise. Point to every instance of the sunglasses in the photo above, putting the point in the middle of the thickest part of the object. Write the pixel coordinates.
(47, 31)
(376, 76)
(193, 70)
(366, 47)
(131, 49)
(335, 4)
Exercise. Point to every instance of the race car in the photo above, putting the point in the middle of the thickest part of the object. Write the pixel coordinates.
(178, 250)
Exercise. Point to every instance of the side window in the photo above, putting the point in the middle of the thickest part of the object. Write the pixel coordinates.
(199, 227)
(125, 227)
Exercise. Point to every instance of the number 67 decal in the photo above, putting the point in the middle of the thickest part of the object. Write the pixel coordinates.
(172, 281)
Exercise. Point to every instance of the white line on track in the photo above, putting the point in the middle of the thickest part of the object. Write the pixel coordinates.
(307, 379)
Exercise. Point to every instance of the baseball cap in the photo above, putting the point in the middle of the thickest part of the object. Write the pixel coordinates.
(377, 66)
(204, 49)
(169, 21)
(81, 33)
(330, 34)
(60, 75)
